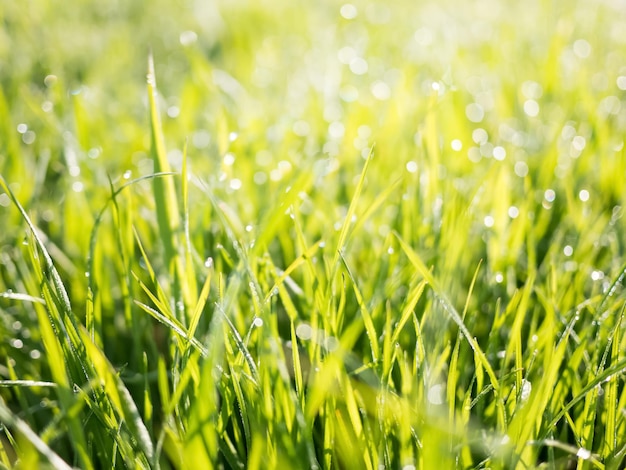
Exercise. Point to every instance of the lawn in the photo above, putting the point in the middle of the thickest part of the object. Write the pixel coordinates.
(289, 234)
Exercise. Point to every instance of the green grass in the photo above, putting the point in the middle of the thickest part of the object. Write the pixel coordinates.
(278, 235)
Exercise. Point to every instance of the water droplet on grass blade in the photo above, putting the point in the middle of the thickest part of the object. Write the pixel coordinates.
(526, 390)
(531, 108)
(499, 153)
(331, 343)
(480, 136)
(521, 169)
(583, 453)
(380, 90)
(474, 112)
(304, 331)
(582, 48)
(188, 37)
(348, 11)
(597, 275)
(435, 394)
(549, 195)
(28, 137)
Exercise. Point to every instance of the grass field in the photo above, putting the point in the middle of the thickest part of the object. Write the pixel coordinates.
(288, 234)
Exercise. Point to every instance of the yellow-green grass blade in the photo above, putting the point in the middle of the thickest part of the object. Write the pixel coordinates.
(171, 323)
(94, 316)
(189, 275)
(454, 315)
(8, 418)
(302, 259)
(610, 432)
(365, 313)
(453, 373)
(347, 222)
(200, 304)
(165, 196)
(59, 329)
(529, 419)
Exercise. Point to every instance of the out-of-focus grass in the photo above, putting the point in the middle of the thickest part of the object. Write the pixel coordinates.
(336, 235)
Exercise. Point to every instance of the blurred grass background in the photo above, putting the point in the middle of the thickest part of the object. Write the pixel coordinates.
(498, 130)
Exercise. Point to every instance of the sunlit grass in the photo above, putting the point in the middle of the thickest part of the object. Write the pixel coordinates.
(334, 235)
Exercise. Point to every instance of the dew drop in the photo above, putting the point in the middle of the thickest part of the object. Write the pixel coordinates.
(521, 169)
(474, 112)
(531, 108)
(526, 390)
(188, 37)
(435, 394)
(348, 11)
(583, 195)
(582, 48)
(583, 453)
(597, 275)
(499, 153)
(380, 90)
(229, 159)
(304, 331)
